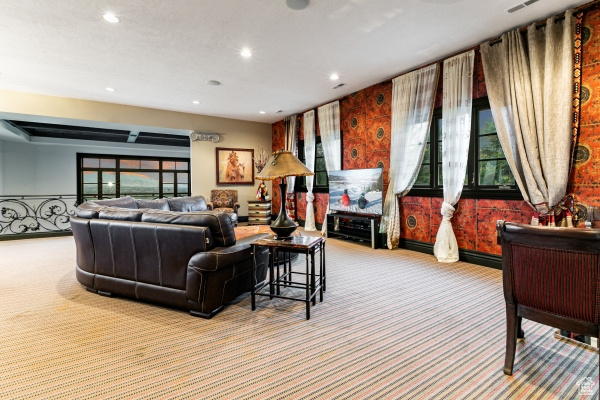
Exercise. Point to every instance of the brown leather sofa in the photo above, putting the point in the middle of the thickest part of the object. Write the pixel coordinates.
(181, 256)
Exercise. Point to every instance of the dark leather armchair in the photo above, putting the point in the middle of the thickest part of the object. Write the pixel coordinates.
(225, 201)
(551, 276)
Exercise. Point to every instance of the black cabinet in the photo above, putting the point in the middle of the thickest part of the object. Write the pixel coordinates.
(358, 227)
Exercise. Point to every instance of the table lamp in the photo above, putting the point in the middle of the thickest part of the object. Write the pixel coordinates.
(281, 165)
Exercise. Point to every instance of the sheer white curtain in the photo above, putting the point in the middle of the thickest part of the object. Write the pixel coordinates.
(530, 89)
(309, 155)
(329, 126)
(456, 133)
(290, 145)
(412, 106)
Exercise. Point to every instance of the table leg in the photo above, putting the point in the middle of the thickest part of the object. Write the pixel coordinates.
(307, 288)
(277, 253)
(271, 277)
(253, 280)
(324, 272)
(321, 272)
(312, 277)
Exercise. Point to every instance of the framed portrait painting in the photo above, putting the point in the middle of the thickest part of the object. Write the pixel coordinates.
(235, 166)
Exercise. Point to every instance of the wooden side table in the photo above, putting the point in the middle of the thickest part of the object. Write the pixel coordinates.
(259, 212)
(313, 283)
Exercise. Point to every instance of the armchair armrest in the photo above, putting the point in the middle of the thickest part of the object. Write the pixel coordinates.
(209, 204)
(236, 206)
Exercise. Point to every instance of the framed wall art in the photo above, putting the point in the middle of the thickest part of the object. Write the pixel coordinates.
(235, 166)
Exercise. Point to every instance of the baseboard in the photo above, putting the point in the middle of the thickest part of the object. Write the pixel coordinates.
(470, 256)
(35, 235)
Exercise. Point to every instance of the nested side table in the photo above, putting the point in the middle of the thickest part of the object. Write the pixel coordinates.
(281, 250)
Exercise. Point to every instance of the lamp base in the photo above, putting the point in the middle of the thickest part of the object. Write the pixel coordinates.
(283, 226)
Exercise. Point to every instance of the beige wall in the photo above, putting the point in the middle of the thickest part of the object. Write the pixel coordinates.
(204, 175)
(233, 133)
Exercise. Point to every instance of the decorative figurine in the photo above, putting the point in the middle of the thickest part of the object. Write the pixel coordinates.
(262, 192)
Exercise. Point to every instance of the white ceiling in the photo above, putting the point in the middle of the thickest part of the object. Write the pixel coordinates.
(161, 53)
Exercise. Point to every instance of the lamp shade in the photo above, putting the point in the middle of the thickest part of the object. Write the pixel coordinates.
(282, 164)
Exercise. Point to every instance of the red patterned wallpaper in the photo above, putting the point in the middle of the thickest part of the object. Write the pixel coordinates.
(366, 123)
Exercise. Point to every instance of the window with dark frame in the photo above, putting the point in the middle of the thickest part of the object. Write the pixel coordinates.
(103, 176)
(321, 179)
(488, 170)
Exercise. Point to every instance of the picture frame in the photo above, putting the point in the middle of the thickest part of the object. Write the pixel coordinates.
(235, 166)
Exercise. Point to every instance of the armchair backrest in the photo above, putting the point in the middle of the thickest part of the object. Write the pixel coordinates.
(223, 198)
(551, 269)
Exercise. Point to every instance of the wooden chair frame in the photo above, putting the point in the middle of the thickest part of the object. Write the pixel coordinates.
(550, 275)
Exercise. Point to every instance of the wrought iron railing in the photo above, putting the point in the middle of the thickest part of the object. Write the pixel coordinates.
(27, 214)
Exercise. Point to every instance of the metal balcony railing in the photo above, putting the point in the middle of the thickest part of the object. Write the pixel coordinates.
(36, 214)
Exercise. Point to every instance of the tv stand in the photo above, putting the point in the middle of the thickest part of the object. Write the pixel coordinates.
(358, 227)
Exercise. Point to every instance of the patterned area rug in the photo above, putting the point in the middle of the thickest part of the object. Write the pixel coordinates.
(393, 325)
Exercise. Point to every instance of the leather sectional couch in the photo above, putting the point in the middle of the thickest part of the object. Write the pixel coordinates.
(173, 252)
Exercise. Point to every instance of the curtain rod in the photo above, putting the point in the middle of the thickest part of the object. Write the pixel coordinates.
(539, 26)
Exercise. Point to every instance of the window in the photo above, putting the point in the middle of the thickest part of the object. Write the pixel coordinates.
(490, 175)
(321, 181)
(105, 177)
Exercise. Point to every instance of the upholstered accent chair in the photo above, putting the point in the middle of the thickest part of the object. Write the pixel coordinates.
(225, 201)
(550, 275)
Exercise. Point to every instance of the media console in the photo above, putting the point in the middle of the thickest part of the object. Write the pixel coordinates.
(358, 227)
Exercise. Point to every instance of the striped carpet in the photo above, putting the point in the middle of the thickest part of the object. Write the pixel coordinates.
(393, 325)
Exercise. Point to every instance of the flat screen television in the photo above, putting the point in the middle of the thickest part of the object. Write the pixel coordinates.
(356, 191)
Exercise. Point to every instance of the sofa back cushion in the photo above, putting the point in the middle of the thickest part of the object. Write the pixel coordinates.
(156, 254)
(220, 224)
(121, 202)
(120, 214)
(158, 204)
(187, 204)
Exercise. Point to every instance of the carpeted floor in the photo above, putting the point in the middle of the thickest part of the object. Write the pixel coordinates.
(393, 325)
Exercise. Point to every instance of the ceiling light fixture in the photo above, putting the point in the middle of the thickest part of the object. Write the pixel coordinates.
(110, 18)
(110, 89)
(334, 77)
(262, 112)
(246, 53)
(297, 4)
(213, 82)
(195, 102)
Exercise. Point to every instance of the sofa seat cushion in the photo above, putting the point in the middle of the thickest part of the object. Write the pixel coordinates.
(187, 204)
(158, 204)
(226, 210)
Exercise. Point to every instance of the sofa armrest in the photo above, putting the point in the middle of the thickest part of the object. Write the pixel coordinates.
(223, 257)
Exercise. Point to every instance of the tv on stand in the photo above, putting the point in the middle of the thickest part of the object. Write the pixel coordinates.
(356, 191)
(355, 200)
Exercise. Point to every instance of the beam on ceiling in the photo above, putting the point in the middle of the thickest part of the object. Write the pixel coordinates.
(133, 135)
(11, 132)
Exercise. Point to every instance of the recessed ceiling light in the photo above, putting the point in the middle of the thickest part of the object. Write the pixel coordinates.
(334, 77)
(262, 112)
(213, 83)
(110, 89)
(246, 53)
(297, 4)
(110, 18)
(195, 102)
